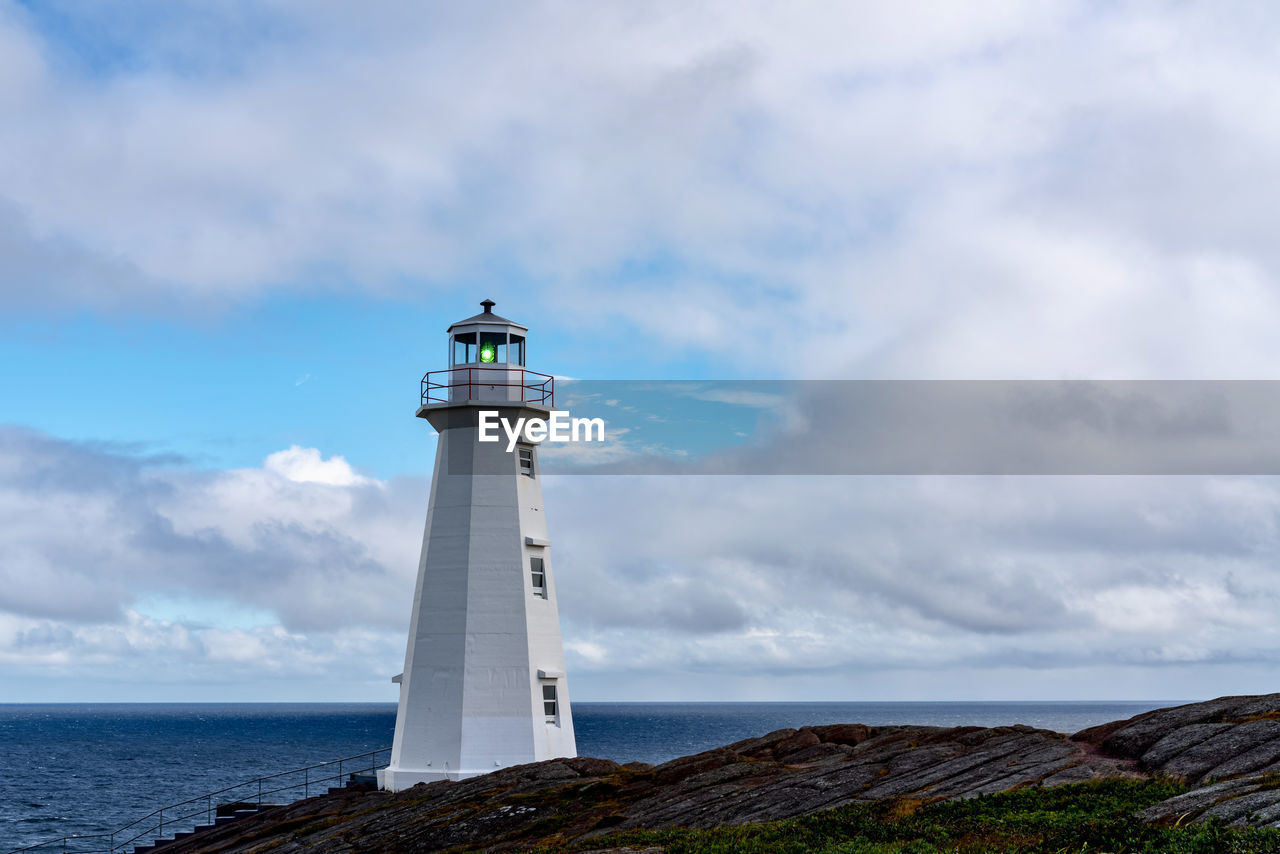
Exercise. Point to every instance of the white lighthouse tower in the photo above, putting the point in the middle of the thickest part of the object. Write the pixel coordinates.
(483, 684)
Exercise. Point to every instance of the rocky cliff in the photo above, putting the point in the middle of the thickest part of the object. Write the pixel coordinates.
(1228, 748)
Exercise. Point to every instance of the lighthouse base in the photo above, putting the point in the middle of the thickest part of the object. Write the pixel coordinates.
(399, 779)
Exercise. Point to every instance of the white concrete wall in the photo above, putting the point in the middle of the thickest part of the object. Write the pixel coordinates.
(542, 618)
(497, 381)
(470, 695)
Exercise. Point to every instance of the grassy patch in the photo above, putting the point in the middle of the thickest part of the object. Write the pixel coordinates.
(1086, 817)
(1265, 716)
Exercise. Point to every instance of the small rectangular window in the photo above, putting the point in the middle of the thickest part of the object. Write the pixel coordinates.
(526, 461)
(539, 577)
(549, 703)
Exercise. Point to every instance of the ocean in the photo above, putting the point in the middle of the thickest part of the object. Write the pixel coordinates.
(87, 768)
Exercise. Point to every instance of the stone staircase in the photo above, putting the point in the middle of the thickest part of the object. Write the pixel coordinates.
(227, 813)
(224, 814)
(205, 813)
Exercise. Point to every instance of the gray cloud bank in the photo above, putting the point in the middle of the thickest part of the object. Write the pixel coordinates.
(300, 572)
(924, 427)
(297, 553)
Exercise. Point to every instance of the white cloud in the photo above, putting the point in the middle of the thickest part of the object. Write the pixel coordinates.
(304, 537)
(989, 190)
(867, 581)
(115, 568)
(150, 653)
(305, 465)
(1012, 190)
(693, 587)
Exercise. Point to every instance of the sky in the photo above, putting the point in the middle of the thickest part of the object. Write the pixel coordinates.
(232, 236)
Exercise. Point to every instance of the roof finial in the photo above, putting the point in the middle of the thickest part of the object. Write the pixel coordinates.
(488, 306)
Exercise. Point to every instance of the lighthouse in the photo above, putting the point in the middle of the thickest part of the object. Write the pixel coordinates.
(483, 685)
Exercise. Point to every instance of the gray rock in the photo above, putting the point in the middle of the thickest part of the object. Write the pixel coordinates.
(1243, 810)
(824, 754)
(1083, 773)
(1241, 739)
(1142, 732)
(1191, 804)
(784, 774)
(1257, 707)
(1268, 816)
(1178, 741)
(1252, 759)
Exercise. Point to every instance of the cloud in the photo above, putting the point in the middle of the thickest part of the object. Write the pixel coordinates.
(147, 652)
(928, 427)
(850, 577)
(140, 569)
(831, 190)
(1008, 190)
(303, 537)
(306, 465)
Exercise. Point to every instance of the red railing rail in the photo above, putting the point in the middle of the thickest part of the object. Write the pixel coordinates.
(446, 386)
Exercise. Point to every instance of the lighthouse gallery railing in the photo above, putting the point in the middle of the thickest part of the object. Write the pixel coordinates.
(469, 382)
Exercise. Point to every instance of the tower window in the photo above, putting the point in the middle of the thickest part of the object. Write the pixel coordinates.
(549, 706)
(539, 577)
(526, 461)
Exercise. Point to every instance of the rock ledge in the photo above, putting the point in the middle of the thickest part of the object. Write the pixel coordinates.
(1229, 748)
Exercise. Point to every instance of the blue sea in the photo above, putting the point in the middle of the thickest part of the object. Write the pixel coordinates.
(85, 769)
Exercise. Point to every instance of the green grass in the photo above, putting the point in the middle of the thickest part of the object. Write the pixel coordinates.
(1087, 817)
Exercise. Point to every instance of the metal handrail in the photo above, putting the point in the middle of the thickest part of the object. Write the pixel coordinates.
(536, 387)
(158, 820)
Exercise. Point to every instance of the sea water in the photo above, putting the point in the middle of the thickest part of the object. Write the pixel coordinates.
(83, 769)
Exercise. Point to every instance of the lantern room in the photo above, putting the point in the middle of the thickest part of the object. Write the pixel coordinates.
(487, 340)
(487, 363)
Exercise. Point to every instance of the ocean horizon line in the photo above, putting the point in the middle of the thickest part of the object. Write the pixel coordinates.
(10, 703)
